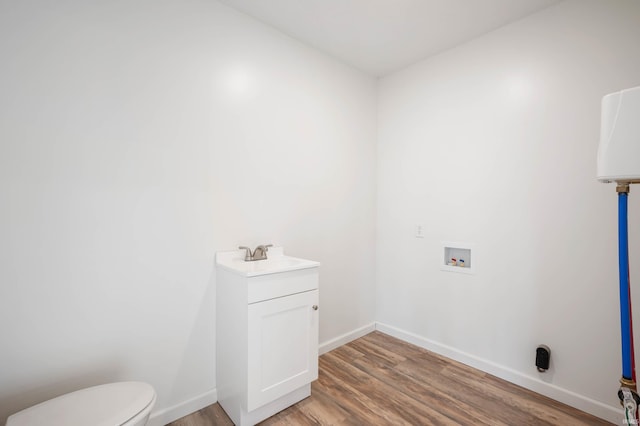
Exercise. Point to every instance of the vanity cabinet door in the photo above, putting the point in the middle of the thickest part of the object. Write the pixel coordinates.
(282, 346)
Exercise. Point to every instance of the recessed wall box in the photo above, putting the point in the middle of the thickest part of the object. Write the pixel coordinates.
(463, 253)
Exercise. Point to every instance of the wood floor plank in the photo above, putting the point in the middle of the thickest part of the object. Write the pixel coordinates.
(347, 353)
(323, 408)
(386, 399)
(380, 380)
(545, 410)
(291, 418)
(478, 403)
(352, 398)
(452, 407)
(376, 351)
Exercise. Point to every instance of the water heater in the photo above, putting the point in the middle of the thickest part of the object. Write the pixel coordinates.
(619, 161)
(619, 150)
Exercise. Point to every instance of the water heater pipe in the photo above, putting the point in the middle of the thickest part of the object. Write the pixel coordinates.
(628, 365)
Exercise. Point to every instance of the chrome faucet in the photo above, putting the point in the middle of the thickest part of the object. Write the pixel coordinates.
(248, 256)
(260, 252)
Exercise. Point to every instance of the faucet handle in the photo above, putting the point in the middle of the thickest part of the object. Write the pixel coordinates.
(260, 253)
(247, 255)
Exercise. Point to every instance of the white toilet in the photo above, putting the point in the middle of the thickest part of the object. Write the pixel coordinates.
(113, 404)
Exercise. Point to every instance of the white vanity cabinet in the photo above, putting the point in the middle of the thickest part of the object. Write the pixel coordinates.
(267, 334)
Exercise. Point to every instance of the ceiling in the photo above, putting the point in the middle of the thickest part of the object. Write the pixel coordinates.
(382, 36)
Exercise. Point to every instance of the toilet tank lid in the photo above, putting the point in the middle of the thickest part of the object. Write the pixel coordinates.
(104, 405)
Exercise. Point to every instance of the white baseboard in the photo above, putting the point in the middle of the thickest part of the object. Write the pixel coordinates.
(168, 415)
(345, 338)
(596, 408)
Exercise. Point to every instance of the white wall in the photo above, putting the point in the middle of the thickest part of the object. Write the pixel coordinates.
(494, 143)
(136, 140)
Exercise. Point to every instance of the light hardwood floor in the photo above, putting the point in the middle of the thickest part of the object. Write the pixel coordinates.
(380, 380)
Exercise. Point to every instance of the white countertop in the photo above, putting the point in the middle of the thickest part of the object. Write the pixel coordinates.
(276, 262)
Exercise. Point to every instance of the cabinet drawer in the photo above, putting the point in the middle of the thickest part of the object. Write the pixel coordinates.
(265, 287)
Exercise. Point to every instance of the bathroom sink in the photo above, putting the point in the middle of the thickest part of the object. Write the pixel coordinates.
(276, 262)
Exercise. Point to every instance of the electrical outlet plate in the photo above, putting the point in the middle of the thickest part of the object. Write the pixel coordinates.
(419, 231)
